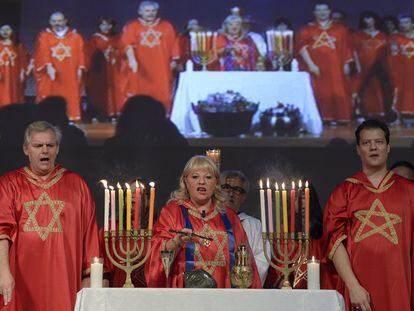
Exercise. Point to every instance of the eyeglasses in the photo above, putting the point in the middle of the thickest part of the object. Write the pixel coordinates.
(237, 189)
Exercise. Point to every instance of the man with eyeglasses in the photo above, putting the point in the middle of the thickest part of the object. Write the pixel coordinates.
(235, 185)
(369, 227)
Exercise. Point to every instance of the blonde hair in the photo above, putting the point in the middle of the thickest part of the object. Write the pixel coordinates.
(181, 195)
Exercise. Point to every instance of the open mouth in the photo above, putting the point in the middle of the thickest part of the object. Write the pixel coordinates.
(374, 156)
(44, 160)
(201, 189)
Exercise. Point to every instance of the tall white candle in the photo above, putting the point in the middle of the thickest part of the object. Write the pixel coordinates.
(96, 272)
(313, 274)
(262, 207)
(106, 205)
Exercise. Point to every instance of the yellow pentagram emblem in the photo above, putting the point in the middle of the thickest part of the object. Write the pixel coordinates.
(324, 39)
(220, 239)
(151, 38)
(408, 49)
(377, 209)
(61, 51)
(7, 57)
(33, 207)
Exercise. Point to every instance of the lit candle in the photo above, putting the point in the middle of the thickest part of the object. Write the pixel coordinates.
(269, 206)
(313, 274)
(301, 207)
(128, 206)
(106, 205)
(151, 208)
(277, 206)
(306, 207)
(269, 42)
(262, 207)
(113, 207)
(204, 40)
(137, 205)
(96, 272)
(193, 41)
(121, 208)
(284, 207)
(292, 207)
(290, 41)
(209, 34)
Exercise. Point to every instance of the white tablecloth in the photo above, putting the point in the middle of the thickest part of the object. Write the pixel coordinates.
(162, 299)
(267, 88)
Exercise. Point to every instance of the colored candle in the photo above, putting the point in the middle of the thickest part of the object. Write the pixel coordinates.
(151, 208)
(277, 207)
(121, 208)
(113, 208)
(128, 206)
(292, 207)
(262, 207)
(106, 205)
(269, 206)
(307, 207)
(137, 205)
(284, 208)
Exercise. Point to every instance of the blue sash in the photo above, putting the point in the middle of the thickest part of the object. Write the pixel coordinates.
(190, 246)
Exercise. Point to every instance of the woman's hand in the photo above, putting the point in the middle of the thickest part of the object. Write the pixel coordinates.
(179, 240)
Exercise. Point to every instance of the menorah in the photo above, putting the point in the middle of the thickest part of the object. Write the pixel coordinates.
(280, 47)
(203, 47)
(128, 248)
(215, 155)
(288, 250)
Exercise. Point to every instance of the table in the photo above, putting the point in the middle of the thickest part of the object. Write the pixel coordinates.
(265, 87)
(165, 299)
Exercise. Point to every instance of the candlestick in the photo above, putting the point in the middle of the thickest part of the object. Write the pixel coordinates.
(269, 206)
(306, 207)
(137, 205)
(301, 207)
(128, 206)
(96, 272)
(292, 208)
(106, 204)
(121, 208)
(151, 208)
(284, 207)
(277, 208)
(262, 207)
(313, 274)
(113, 208)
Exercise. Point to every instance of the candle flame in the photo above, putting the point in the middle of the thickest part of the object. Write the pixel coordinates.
(137, 184)
(306, 184)
(104, 183)
(261, 184)
(276, 186)
(152, 184)
(127, 185)
(300, 183)
(283, 185)
(110, 187)
(313, 258)
(268, 183)
(118, 185)
(141, 185)
(293, 185)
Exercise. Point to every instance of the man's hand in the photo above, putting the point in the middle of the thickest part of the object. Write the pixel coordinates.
(173, 65)
(22, 76)
(359, 298)
(6, 285)
(79, 73)
(313, 69)
(133, 65)
(51, 72)
(347, 69)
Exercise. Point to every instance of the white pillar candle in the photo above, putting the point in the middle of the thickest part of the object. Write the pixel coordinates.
(313, 274)
(262, 207)
(96, 272)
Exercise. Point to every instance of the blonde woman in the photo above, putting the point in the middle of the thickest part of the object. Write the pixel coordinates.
(197, 207)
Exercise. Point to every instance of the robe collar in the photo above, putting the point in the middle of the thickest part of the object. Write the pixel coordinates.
(149, 24)
(29, 174)
(194, 212)
(386, 182)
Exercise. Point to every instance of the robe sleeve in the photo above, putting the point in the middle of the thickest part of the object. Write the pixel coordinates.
(42, 56)
(89, 229)
(80, 52)
(302, 39)
(172, 42)
(129, 36)
(347, 46)
(336, 221)
(8, 224)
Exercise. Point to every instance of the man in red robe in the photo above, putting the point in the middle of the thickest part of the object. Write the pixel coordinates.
(401, 61)
(323, 47)
(152, 52)
(369, 227)
(59, 63)
(48, 231)
(14, 61)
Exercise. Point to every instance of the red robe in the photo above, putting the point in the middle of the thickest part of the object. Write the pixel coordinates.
(105, 84)
(329, 50)
(53, 236)
(401, 66)
(371, 51)
(14, 59)
(376, 227)
(155, 46)
(217, 253)
(66, 54)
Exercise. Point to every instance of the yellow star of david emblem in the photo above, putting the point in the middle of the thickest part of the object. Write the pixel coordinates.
(377, 209)
(220, 239)
(324, 39)
(408, 49)
(32, 209)
(61, 51)
(7, 57)
(151, 38)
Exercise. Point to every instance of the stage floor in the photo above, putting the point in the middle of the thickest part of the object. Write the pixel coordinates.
(401, 137)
